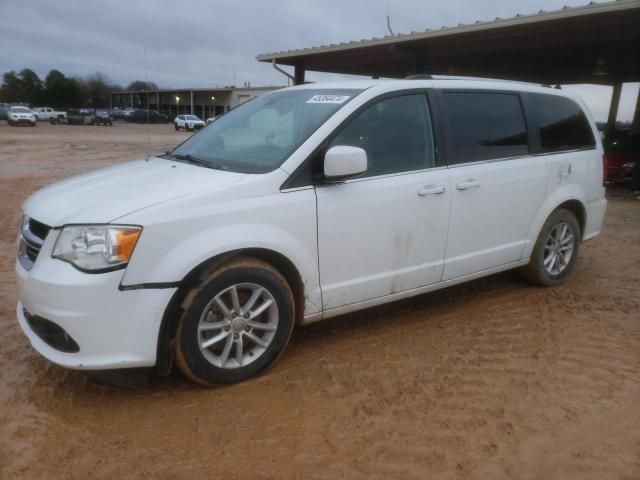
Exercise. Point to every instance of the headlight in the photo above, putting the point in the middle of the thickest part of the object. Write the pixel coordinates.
(629, 165)
(96, 247)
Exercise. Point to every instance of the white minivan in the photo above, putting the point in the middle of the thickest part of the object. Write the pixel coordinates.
(303, 204)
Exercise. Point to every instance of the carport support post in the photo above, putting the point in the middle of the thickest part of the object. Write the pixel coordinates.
(298, 75)
(613, 109)
(635, 124)
(191, 102)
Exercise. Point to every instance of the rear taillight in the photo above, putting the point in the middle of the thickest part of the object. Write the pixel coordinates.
(605, 163)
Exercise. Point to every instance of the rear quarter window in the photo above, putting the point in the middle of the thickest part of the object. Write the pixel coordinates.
(557, 124)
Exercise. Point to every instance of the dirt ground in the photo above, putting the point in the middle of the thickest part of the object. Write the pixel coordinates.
(494, 379)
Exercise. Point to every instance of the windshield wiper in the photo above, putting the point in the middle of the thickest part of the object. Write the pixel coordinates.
(191, 159)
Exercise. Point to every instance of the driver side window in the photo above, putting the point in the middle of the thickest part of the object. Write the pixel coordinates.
(396, 133)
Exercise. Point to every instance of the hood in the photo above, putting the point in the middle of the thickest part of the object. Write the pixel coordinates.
(104, 195)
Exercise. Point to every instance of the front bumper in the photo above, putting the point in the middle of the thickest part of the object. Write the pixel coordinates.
(113, 328)
(22, 121)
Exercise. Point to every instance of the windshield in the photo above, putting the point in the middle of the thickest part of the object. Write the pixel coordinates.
(191, 117)
(20, 110)
(260, 134)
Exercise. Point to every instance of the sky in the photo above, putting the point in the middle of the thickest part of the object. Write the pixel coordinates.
(204, 43)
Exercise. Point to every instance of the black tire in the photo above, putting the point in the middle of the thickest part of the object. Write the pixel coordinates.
(190, 357)
(536, 271)
(177, 127)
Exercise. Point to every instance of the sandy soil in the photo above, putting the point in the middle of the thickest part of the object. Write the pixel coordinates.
(491, 380)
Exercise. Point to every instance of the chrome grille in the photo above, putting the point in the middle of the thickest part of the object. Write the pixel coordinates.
(32, 236)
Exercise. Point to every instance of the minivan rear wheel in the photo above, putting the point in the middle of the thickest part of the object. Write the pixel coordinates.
(555, 252)
(235, 323)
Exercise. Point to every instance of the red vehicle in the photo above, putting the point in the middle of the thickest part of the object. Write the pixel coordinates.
(622, 151)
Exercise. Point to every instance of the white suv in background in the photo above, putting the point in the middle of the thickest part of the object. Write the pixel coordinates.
(303, 204)
(21, 116)
(188, 122)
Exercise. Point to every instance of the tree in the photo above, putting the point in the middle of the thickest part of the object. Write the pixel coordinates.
(24, 87)
(98, 87)
(60, 91)
(140, 85)
(11, 88)
(31, 86)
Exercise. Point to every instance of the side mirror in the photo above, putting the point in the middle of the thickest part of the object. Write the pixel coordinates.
(343, 161)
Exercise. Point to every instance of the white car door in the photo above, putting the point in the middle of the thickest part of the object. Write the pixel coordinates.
(497, 187)
(385, 231)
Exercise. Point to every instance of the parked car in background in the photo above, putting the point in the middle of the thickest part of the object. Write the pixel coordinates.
(147, 116)
(21, 116)
(48, 114)
(212, 119)
(82, 116)
(188, 122)
(622, 151)
(306, 203)
(126, 113)
(117, 114)
(102, 117)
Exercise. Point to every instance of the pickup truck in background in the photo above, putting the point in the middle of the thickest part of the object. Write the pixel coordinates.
(48, 113)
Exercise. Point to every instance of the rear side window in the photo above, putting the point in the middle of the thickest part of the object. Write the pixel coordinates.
(485, 126)
(558, 123)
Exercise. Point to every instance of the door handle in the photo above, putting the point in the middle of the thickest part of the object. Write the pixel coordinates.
(472, 183)
(431, 190)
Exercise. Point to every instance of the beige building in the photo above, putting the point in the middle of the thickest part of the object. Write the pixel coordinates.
(203, 102)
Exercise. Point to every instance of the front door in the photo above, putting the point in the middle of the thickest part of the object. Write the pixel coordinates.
(385, 231)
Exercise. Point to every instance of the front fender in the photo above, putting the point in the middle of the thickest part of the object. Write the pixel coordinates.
(283, 223)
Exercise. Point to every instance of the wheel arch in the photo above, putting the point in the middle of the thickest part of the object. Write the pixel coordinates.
(578, 209)
(569, 199)
(172, 313)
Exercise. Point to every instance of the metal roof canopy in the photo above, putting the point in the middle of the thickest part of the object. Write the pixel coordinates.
(598, 43)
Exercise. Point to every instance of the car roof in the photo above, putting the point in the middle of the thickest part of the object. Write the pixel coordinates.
(436, 81)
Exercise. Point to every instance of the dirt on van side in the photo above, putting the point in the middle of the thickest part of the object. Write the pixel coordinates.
(494, 379)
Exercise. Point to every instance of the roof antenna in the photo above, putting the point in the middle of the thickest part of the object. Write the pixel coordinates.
(389, 19)
(146, 96)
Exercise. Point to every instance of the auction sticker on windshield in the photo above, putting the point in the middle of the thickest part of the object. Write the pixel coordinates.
(328, 99)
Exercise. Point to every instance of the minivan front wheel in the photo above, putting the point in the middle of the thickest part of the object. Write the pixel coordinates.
(556, 249)
(235, 324)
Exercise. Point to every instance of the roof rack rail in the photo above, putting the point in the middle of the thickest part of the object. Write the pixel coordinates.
(418, 76)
